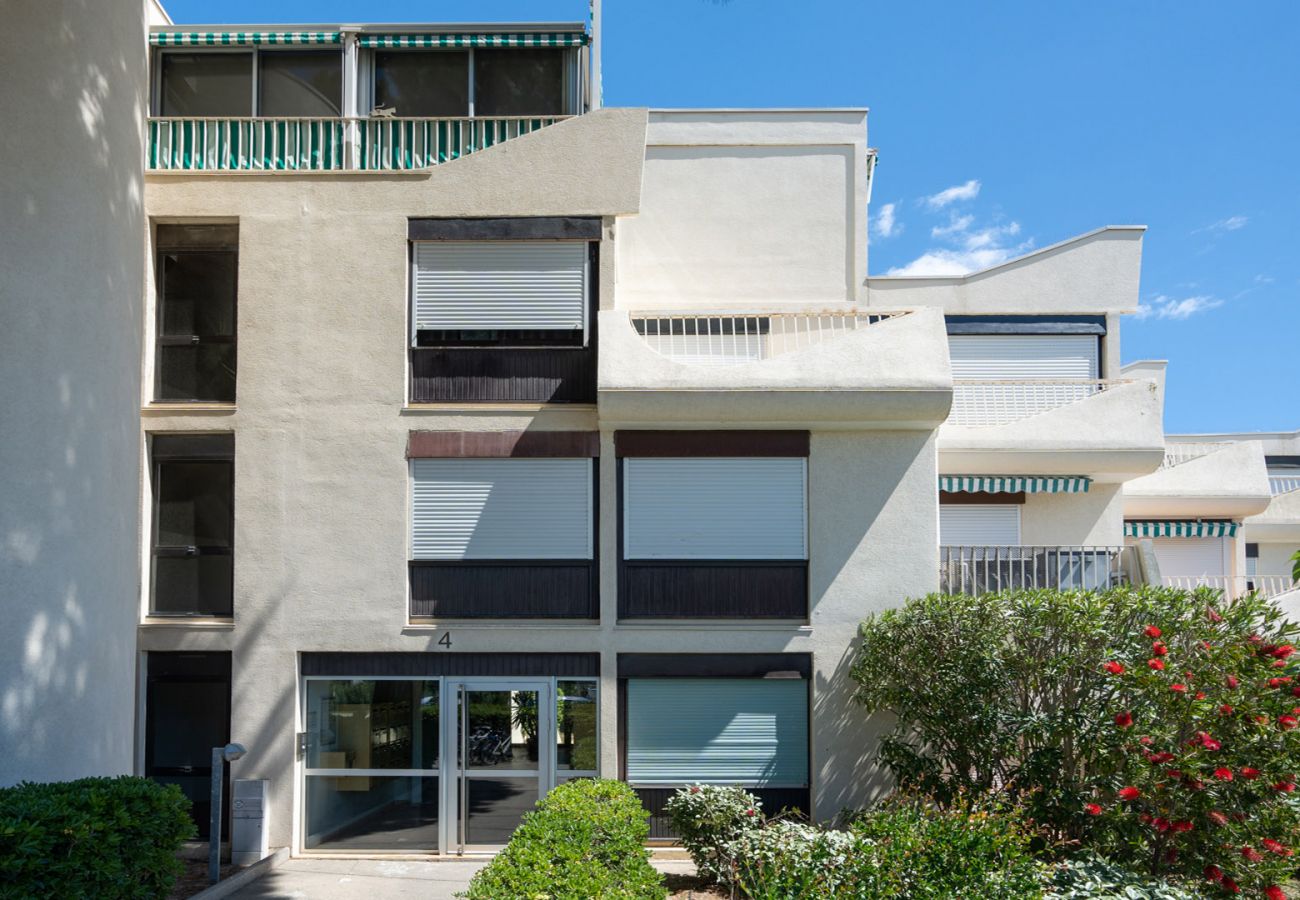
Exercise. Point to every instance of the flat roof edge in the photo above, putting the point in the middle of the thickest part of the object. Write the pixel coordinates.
(363, 28)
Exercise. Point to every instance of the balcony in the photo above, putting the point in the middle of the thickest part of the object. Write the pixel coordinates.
(1234, 586)
(980, 570)
(1203, 479)
(773, 369)
(979, 403)
(1283, 484)
(309, 144)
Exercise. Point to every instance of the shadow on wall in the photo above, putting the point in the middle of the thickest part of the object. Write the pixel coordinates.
(71, 280)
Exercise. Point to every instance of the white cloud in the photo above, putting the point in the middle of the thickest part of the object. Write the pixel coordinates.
(1162, 307)
(1264, 279)
(887, 225)
(1232, 223)
(955, 224)
(968, 191)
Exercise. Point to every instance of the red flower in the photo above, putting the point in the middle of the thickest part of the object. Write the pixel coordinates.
(1156, 664)
(1160, 758)
(1211, 744)
(1206, 645)
(1283, 651)
(1284, 787)
(1217, 817)
(749, 812)
(1114, 668)
(1213, 873)
(1182, 826)
(1261, 720)
(1196, 784)
(1225, 709)
(1273, 892)
(1200, 695)
(1129, 793)
(1295, 691)
(1249, 774)
(1124, 719)
(1287, 722)
(1178, 688)
(1232, 681)
(1162, 825)
(1212, 614)
(1145, 740)
(1273, 846)
(1230, 886)
(1151, 631)
(1173, 773)
(1279, 682)
(695, 790)
(1092, 809)
(1223, 774)
(1251, 854)
(1159, 649)
(1280, 664)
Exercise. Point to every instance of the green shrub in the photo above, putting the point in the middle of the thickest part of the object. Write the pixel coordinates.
(912, 849)
(788, 859)
(584, 840)
(707, 818)
(1090, 877)
(102, 838)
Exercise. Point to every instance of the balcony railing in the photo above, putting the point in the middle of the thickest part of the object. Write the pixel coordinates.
(978, 402)
(1184, 451)
(1235, 585)
(1283, 484)
(732, 339)
(980, 570)
(332, 144)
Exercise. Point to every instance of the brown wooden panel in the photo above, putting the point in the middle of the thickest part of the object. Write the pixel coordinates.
(713, 589)
(552, 228)
(504, 590)
(438, 661)
(502, 444)
(711, 443)
(972, 498)
(520, 375)
(773, 800)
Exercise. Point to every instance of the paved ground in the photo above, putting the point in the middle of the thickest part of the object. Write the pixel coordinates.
(372, 879)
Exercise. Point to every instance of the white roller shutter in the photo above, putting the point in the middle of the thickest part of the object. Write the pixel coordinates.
(979, 525)
(501, 509)
(500, 285)
(1023, 356)
(715, 508)
(1192, 556)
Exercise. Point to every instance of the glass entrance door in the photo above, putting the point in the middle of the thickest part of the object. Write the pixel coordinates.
(504, 734)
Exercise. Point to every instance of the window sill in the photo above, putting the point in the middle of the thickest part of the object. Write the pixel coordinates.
(167, 408)
(197, 623)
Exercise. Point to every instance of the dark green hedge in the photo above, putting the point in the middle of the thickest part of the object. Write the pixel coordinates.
(102, 838)
(584, 840)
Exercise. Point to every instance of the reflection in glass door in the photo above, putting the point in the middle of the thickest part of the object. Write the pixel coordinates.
(504, 759)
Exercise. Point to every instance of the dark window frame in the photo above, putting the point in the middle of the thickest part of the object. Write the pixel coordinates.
(176, 551)
(255, 51)
(161, 340)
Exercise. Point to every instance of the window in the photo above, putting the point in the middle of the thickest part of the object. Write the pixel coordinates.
(715, 508)
(577, 729)
(265, 82)
(519, 82)
(750, 731)
(418, 84)
(484, 509)
(197, 286)
(1024, 356)
(499, 293)
(979, 525)
(193, 525)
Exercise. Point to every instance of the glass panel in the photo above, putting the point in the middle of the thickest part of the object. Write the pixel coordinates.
(186, 721)
(198, 372)
(362, 812)
(518, 82)
(300, 83)
(193, 585)
(372, 724)
(194, 504)
(495, 807)
(502, 730)
(198, 294)
(575, 732)
(423, 84)
(207, 84)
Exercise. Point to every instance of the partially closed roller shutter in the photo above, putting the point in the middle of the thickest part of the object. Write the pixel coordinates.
(717, 731)
(501, 509)
(715, 508)
(978, 525)
(499, 285)
(1023, 356)
(1191, 556)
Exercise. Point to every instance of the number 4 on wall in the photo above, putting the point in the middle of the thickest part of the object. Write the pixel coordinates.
(445, 640)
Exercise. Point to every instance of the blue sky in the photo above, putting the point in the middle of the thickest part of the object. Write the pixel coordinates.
(1039, 120)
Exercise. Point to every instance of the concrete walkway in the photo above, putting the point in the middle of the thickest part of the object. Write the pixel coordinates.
(376, 879)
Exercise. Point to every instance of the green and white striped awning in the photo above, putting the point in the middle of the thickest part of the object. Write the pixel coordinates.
(1014, 484)
(1189, 528)
(416, 41)
(240, 38)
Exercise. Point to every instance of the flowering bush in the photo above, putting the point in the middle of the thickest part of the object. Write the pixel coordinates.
(707, 818)
(1203, 748)
(789, 859)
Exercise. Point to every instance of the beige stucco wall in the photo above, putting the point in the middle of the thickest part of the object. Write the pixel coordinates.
(749, 209)
(1229, 482)
(1094, 519)
(70, 283)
